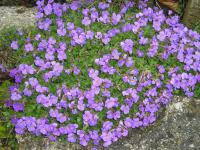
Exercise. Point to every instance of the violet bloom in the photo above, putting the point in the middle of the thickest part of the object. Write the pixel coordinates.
(37, 37)
(143, 41)
(105, 17)
(15, 96)
(89, 118)
(71, 138)
(116, 18)
(18, 107)
(94, 15)
(45, 24)
(86, 21)
(65, 7)
(61, 118)
(20, 126)
(27, 92)
(128, 122)
(98, 35)
(116, 115)
(161, 69)
(129, 62)
(107, 138)
(61, 31)
(48, 9)
(89, 35)
(61, 55)
(140, 53)
(74, 5)
(30, 123)
(57, 9)
(106, 40)
(14, 45)
(107, 125)
(115, 54)
(111, 102)
(121, 62)
(70, 26)
(53, 113)
(85, 12)
(103, 5)
(29, 47)
(76, 70)
(125, 109)
(127, 45)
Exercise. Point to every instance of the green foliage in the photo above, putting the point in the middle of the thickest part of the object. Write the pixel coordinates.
(182, 6)
(7, 137)
(8, 57)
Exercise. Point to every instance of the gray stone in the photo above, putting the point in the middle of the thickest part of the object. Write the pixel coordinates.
(177, 128)
(18, 17)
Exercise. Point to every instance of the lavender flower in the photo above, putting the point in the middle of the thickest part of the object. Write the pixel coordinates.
(14, 45)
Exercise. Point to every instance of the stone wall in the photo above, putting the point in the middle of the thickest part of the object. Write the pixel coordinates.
(16, 16)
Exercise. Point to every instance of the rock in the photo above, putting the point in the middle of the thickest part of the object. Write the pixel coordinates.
(17, 2)
(192, 13)
(18, 17)
(177, 128)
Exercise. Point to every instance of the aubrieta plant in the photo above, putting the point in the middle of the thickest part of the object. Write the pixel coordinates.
(94, 70)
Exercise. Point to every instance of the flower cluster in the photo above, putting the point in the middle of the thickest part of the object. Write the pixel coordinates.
(95, 74)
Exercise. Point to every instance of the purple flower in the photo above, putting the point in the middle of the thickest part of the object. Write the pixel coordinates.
(29, 47)
(128, 122)
(98, 35)
(125, 109)
(71, 137)
(89, 35)
(86, 21)
(103, 5)
(94, 15)
(85, 11)
(15, 96)
(61, 31)
(70, 26)
(143, 41)
(27, 92)
(74, 5)
(61, 118)
(20, 126)
(111, 102)
(107, 138)
(107, 126)
(140, 53)
(89, 118)
(76, 70)
(129, 62)
(37, 37)
(18, 107)
(48, 9)
(14, 45)
(116, 18)
(106, 40)
(136, 123)
(127, 45)
(115, 54)
(161, 69)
